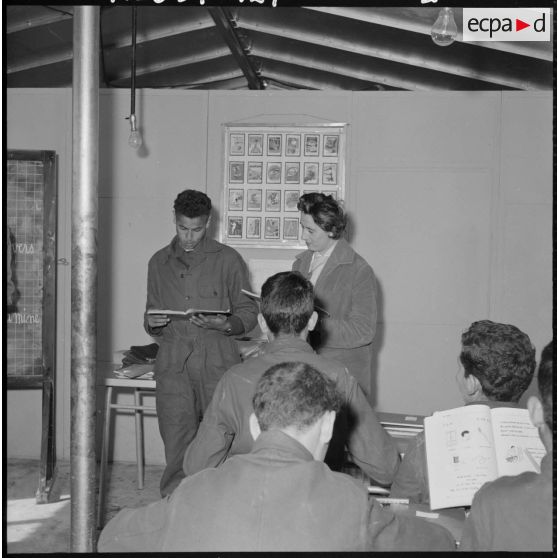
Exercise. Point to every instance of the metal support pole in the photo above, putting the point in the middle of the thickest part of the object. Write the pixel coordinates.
(84, 276)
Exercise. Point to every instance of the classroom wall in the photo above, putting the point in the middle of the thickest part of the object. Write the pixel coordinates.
(449, 194)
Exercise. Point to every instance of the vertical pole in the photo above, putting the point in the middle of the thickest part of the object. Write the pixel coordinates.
(85, 99)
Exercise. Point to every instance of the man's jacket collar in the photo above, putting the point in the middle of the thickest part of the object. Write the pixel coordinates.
(286, 343)
(206, 246)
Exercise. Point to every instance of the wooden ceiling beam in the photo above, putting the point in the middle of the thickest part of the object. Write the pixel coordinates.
(179, 82)
(39, 21)
(362, 75)
(145, 69)
(39, 61)
(147, 35)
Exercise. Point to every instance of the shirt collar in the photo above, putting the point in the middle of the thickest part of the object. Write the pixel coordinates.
(494, 404)
(290, 343)
(327, 252)
(206, 245)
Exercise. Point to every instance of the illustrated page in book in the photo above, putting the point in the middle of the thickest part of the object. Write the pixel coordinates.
(459, 454)
(517, 444)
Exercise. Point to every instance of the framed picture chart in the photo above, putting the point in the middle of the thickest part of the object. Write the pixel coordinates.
(266, 170)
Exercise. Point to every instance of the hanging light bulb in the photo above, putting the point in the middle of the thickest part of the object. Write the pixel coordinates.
(134, 140)
(444, 30)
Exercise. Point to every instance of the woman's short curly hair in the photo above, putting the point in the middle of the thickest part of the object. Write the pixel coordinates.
(327, 213)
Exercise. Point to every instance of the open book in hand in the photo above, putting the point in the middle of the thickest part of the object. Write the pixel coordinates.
(187, 314)
(471, 445)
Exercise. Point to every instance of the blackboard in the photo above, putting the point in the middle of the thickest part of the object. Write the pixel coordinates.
(30, 231)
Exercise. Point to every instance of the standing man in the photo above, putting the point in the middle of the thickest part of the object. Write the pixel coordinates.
(193, 271)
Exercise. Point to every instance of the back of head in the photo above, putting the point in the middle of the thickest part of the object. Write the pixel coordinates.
(546, 375)
(287, 302)
(293, 394)
(192, 203)
(326, 212)
(501, 357)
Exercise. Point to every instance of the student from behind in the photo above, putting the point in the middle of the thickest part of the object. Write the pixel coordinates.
(515, 513)
(287, 314)
(497, 366)
(280, 496)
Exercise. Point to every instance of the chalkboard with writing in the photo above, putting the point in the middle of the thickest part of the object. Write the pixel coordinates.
(30, 230)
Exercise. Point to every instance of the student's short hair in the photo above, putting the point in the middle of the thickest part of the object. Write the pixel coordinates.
(192, 203)
(546, 374)
(326, 212)
(287, 302)
(501, 357)
(293, 394)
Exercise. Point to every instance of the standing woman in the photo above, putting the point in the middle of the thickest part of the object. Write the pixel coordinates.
(344, 286)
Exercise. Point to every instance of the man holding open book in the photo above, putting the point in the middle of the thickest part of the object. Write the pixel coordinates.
(497, 366)
(514, 513)
(193, 271)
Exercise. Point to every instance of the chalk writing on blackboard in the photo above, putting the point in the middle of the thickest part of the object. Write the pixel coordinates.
(30, 226)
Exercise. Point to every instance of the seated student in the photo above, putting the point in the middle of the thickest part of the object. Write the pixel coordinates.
(278, 497)
(498, 363)
(287, 314)
(515, 513)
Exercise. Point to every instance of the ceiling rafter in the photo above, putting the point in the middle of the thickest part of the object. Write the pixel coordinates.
(392, 54)
(39, 21)
(179, 83)
(363, 75)
(65, 55)
(146, 36)
(178, 62)
(381, 16)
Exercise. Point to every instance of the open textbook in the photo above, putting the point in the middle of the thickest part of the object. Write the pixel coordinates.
(471, 445)
(186, 314)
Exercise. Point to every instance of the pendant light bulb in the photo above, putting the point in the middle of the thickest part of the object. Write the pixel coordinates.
(444, 30)
(134, 140)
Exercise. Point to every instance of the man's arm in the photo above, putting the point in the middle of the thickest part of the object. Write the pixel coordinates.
(153, 325)
(370, 446)
(135, 530)
(389, 532)
(411, 480)
(214, 437)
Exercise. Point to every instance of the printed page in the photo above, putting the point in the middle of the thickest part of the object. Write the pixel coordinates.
(516, 441)
(460, 454)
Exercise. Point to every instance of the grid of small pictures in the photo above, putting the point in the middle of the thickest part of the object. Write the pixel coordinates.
(267, 169)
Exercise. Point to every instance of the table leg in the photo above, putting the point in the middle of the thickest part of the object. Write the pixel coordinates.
(104, 457)
(139, 438)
